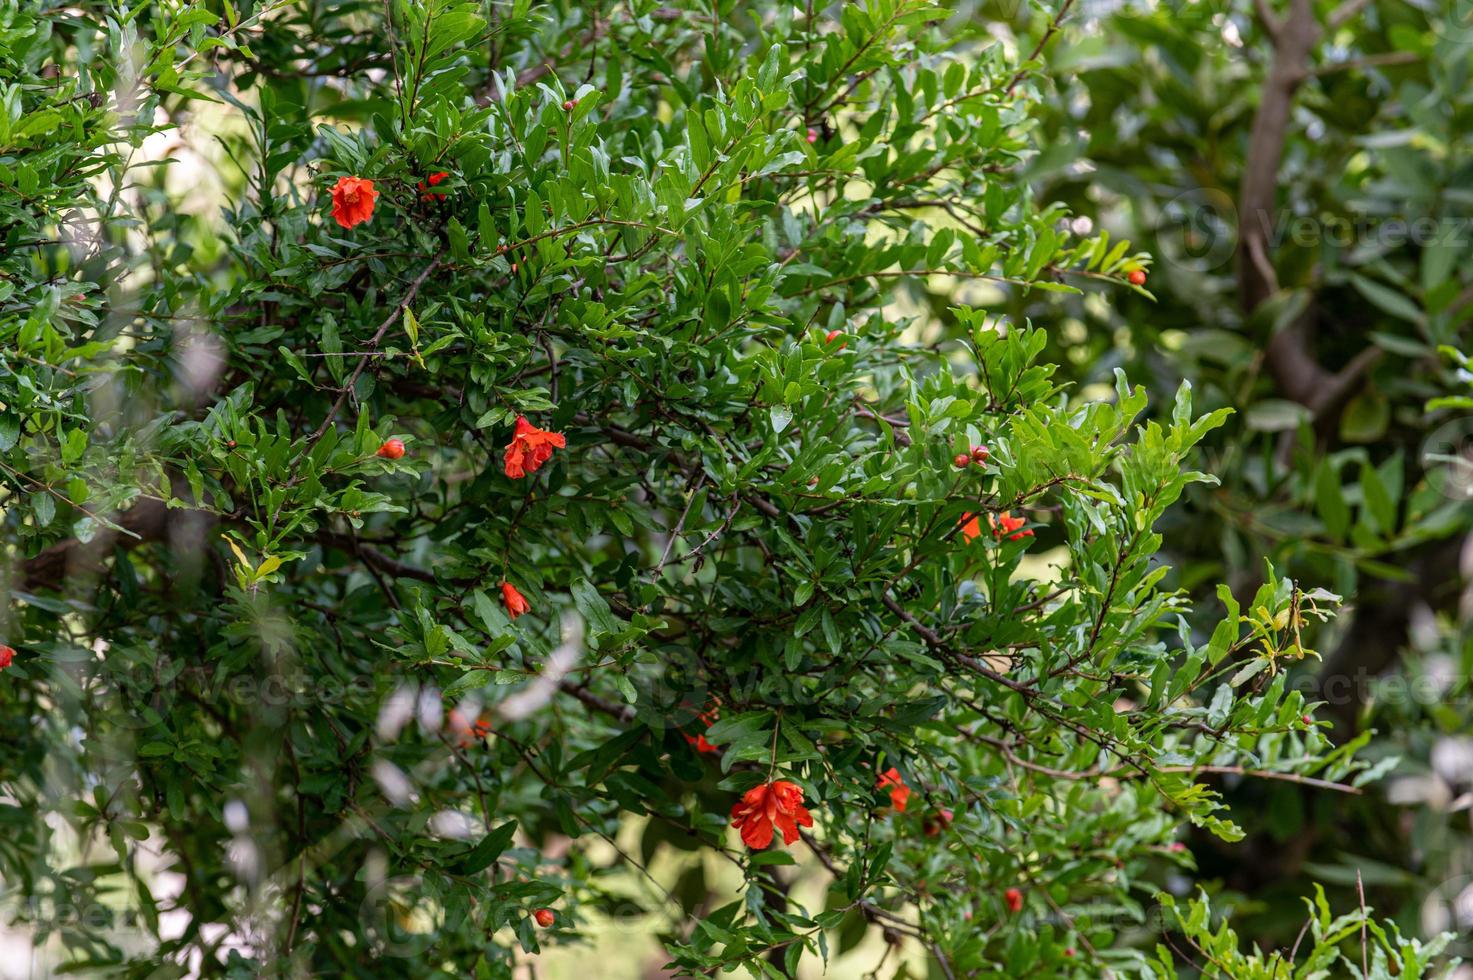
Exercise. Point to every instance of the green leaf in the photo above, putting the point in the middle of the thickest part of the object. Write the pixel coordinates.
(480, 857)
(594, 609)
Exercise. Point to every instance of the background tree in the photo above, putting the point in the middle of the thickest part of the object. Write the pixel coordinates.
(1298, 172)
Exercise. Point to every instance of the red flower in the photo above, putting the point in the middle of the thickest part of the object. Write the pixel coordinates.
(899, 792)
(433, 180)
(352, 201)
(1007, 524)
(971, 529)
(529, 448)
(707, 718)
(700, 744)
(937, 822)
(1014, 898)
(515, 602)
(779, 802)
(393, 449)
(7, 656)
(544, 918)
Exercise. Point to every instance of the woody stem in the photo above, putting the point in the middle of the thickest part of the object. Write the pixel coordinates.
(772, 759)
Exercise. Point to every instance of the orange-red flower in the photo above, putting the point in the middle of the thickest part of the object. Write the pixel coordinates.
(515, 602)
(707, 718)
(424, 187)
(352, 201)
(7, 656)
(778, 802)
(1014, 898)
(700, 744)
(1008, 524)
(971, 529)
(529, 448)
(899, 792)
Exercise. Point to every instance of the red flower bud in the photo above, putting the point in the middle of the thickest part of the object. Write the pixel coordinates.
(544, 918)
(829, 337)
(1069, 952)
(424, 187)
(230, 444)
(516, 603)
(980, 454)
(812, 135)
(961, 461)
(393, 449)
(1137, 277)
(570, 105)
(1014, 899)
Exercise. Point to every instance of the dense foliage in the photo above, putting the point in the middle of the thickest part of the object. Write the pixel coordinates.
(438, 440)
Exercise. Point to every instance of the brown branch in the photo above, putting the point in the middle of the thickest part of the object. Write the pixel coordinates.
(1049, 32)
(622, 712)
(147, 521)
(373, 351)
(1288, 355)
(375, 558)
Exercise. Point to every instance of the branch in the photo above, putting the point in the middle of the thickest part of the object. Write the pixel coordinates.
(1369, 61)
(1048, 34)
(1343, 13)
(372, 556)
(373, 351)
(147, 521)
(934, 640)
(1272, 25)
(622, 712)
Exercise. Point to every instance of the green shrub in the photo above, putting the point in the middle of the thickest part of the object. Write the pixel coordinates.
(358, 706)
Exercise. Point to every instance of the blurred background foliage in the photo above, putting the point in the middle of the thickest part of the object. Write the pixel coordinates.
(1346, 463)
